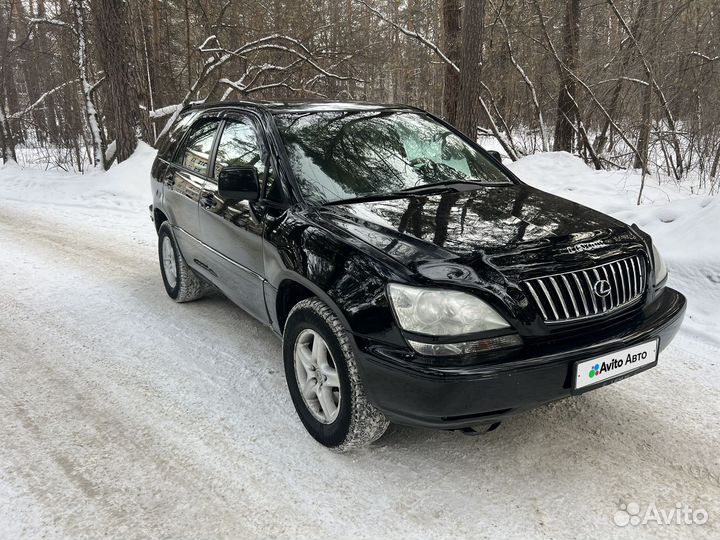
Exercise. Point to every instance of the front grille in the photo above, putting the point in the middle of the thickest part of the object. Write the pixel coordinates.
(586, 293)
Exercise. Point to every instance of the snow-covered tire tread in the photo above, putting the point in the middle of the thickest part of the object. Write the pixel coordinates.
(367, 423)
(189, 286)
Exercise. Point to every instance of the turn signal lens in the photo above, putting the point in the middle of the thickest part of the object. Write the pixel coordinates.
(465, 347)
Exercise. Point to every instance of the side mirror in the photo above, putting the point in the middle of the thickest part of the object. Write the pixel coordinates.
(495, 155)
(239, 184)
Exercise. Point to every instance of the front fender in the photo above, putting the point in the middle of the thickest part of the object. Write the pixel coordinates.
(348, 278)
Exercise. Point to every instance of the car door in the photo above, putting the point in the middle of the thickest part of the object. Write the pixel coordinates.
(184, 179)
(232, 230)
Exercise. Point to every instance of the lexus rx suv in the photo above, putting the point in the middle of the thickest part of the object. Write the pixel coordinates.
(411, 276)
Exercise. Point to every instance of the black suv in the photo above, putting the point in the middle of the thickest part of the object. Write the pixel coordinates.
(412, 277)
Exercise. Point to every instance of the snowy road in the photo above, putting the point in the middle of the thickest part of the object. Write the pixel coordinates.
(125, 415)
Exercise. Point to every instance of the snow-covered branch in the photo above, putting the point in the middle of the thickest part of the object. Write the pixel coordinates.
(629, 79)
(252, 78)
(53, 22)
(39, 101)
(705, 56)
(165, 111)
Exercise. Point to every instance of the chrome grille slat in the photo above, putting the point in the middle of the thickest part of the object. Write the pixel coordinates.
(590, 291)
(562, 300)
(630, 281)
(572, 296)
(622, 279)
(615, 293)
(643, 276)
(547, 295)
(537, 299)
(582, 293)
(568, 296)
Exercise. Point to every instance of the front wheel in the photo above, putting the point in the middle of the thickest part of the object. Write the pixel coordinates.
(323, 379)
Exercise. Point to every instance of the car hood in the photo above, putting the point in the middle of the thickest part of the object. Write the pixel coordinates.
(513, 229)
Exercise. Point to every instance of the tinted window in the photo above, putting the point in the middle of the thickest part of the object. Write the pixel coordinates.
(198, 145)
(239, 147)
(168, 143)
(340, 155)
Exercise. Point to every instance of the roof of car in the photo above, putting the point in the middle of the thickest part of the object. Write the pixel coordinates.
(283, 107)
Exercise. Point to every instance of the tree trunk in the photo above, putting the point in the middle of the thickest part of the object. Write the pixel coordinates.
(451, 45)
(468, 103)
(97, 136)
(113, 47)
(566, 109)
(648, 9)
(715, 164)
(7, 87)
(644, 134)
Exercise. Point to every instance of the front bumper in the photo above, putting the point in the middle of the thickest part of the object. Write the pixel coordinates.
(459, 397)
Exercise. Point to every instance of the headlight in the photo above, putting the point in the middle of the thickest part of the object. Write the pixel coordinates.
(442, 312)
(660, 268)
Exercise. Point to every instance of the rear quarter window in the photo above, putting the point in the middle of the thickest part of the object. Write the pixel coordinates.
(169, 142)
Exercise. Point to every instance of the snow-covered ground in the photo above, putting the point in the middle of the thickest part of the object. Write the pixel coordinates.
(124, 415)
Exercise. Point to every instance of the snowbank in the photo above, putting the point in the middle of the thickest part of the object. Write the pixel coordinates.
(125, 187)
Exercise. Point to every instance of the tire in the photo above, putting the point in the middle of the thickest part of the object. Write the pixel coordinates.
(181, 283)
(355, 423)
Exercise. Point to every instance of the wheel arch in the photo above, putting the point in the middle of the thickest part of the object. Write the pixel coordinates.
(159, 218)
(294, 289)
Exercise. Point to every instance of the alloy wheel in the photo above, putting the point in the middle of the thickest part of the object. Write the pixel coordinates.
(317, 376)
(168, 260)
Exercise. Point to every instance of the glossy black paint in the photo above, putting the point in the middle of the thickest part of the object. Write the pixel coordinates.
(512, 381)
(239, 184)
(265, 254)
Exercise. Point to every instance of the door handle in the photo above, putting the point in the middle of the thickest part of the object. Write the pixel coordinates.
(207, 200)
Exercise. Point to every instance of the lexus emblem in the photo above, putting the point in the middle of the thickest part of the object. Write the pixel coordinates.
(602, 288)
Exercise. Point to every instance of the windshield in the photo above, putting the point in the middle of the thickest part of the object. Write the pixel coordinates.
(338, 155)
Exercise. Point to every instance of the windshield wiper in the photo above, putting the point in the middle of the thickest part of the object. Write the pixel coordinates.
(436, 188)
(388, 195)
(445, 184)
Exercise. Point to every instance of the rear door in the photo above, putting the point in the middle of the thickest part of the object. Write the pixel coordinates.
(184, 180)
(232, 230)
